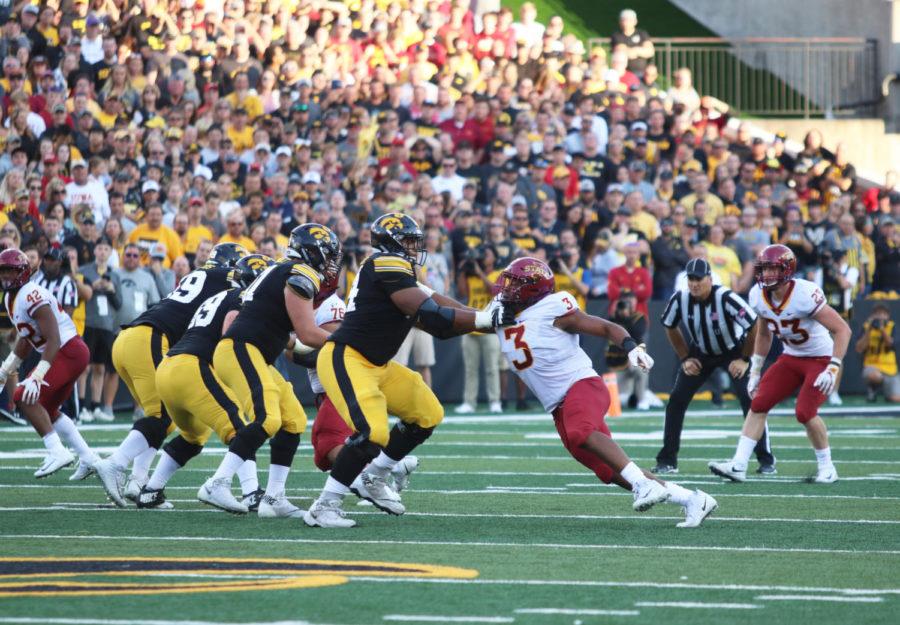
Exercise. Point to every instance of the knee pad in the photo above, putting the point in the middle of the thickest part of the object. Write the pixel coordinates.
(181, 450)
(414, 432)
(153, 429)
(404, 438)
(356, 454)
(283, 446)
(363, 447)
(248, 440)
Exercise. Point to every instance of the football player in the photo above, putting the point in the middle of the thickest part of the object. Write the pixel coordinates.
(42, 325)
(194, 396)
(542, 347)
(137, 352)
(329, 432)
(364, 384)
(794, 310)
(278, 302)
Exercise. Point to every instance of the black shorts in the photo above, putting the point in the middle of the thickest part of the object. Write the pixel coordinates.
(100, 343)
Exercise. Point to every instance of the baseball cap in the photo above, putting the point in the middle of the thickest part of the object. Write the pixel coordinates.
(638, 166)
(283, 150)
(509, 168)
(78, 163)
(263, 147)
(615, 188)
(149, 185)
(21, 192)
(561, 171)
(639, 125)
(122, 176)
(312, 176)
(59, 108)
(665, 222)
(587, 186)
(691, 222)
(697, 268)
(623, 211)
(31, 8)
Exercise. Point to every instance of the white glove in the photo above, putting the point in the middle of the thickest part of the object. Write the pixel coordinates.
(9, 367)
(756, 365)
(33, 383)
(300, 349)
(640, 359)
(827, 380)
(495, 315)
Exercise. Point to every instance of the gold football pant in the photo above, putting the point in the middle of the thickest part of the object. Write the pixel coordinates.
(136, 353)
(197, 400)
(263, 395)
(364, 394)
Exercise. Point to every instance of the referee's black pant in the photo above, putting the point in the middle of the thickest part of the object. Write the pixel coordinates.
(686, 386)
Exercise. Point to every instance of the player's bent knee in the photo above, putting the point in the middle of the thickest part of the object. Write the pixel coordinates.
(283, 446)
(182, 449)
(248, 440)
(154, 429)
(363, 447)
(379, 434)
(271, 424)
(805, 414)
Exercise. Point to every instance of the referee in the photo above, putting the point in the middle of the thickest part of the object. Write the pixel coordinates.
(722, 328)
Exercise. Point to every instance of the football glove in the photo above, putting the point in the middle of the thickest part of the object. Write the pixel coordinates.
(494, 316)
(33, 383)
(640, 359)
(827, 380)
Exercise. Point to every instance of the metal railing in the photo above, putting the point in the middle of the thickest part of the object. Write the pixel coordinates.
(776, 76)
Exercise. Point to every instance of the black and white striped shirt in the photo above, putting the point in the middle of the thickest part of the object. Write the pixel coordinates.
(717, 325)
(62, 287)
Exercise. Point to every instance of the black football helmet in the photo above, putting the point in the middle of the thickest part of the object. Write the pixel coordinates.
(225, 255)
(248, 268)
(396, 233)
(318, 247)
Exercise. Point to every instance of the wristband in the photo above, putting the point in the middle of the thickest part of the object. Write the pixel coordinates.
(484, 320)
(837, 362)
(629, 344)
(11, 363)
(756, 362)
(40, 370)
(428, 290)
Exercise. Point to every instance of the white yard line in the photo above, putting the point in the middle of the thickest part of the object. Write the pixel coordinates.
(574, 612)
(693, 605)
(825, 598)
(435, 618)
(438, 543)
(24, 620)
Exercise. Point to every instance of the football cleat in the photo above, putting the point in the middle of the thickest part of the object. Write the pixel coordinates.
(84, 470)
(217, 493)
(826, 475)
(112, 477)
(662, 468)
(767, 469)
(647, 494)
(327, 513)
(53, 462)
(133, 488)
(402, 471)
(699, 506)
(150, 498)
(278, 507)
(373, 488)
(728, 471)
(251, 500)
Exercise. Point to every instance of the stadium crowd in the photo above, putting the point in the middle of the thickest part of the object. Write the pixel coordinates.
(137, 134)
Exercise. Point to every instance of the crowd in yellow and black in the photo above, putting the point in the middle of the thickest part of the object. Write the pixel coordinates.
(136, 134)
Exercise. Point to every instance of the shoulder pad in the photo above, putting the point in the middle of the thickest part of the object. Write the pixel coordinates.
(300, 269)
(391, 263)
(303, 285)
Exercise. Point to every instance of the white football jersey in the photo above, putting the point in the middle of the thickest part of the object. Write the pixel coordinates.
(792, 319)
(332, 309)
(547, 359)
(21, 311)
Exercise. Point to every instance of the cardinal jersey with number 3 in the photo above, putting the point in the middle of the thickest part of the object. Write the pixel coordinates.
(25, 304)
(792, 319)
(548, 360)
(332, 309)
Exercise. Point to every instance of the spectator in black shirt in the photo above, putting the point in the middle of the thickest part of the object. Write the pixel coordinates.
(887, 257)
(29, 227)
(670, 255)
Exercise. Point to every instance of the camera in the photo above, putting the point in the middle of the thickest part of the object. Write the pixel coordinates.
(471, 256)
(876, 324)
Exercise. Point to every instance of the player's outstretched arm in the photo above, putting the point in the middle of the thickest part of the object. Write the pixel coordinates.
(444, 321)
(579, 322)
(303, 318)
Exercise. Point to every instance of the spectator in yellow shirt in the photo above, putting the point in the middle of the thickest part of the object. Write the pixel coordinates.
(235, 230)
(243, 98)
(723, 261)
(239, 131)
(641, 220)
(152, 231)
(714, 206)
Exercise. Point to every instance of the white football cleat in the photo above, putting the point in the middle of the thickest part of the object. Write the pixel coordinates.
(84, 470)
(465, 409)
(327, 513)
(728, 471)
(53, 462)
(151, 499)
(217, 493)
(699, 506)
(104, 417)
(278, 507)
(251, 500)
(112, 477)
(374, 489)
(402, 471)
(133, 487)
(826, 475)
(649, 493)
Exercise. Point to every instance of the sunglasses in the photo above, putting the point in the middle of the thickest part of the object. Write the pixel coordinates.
(132, 255)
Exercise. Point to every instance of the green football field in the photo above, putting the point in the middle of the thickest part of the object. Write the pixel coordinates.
(502, 527)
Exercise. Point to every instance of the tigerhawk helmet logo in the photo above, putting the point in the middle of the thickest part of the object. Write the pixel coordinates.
(318, 233)
(258, 263)
(391, 223)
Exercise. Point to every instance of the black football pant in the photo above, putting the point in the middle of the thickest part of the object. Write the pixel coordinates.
(686, 386)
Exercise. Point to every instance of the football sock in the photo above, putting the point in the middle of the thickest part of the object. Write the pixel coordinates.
(140, 470)
(247, 475)
(165, 469)
(129, 449)
(381, 465)
(278, 475)
(229, 466)
(52, 443)
(678, 494)
(334, 490)
(65, 427)
(632, 474)
(823, 457)
(745, 447)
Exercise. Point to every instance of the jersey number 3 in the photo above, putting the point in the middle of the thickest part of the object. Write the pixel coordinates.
(516, 333)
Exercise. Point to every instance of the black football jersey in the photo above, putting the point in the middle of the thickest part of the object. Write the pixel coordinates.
(205, 329)
(373, 325)
(172, 314)
(263, 320)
